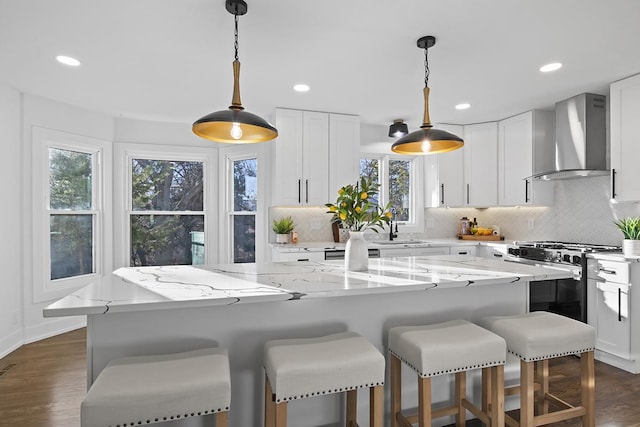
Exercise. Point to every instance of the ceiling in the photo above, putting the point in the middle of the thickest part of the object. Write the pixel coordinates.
(170, 60)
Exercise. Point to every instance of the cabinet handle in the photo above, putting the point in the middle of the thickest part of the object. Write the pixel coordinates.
(467, 193)
(497, 255)
(306, 190)
(463, 253)
(613, 183)
(526, 191)
(302, 259)
(299, 191)
(442, 194)
(619, 304)
(604, 270)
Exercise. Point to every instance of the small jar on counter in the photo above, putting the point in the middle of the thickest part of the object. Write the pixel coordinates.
(294, 237)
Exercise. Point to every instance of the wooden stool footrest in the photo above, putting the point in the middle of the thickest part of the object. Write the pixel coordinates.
(476, 411)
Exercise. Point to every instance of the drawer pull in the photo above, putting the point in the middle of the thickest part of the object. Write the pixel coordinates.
(497, 255)
(604, 270)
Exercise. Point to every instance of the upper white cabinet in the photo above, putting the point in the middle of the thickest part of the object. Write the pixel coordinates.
(625, 137)
(525, 147)
(481, 165)
(314, 153)
(445, 175)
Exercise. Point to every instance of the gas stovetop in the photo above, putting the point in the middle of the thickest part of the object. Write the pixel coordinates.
(558, 252)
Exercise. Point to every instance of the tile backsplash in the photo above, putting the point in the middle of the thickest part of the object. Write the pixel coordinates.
(582, 212)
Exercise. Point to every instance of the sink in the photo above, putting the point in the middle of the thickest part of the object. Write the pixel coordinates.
(399, 242)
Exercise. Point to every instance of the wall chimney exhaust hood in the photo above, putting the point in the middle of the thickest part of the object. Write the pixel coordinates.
(580, 138)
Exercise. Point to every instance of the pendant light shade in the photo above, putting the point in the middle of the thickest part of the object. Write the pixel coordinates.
(235, 125)
(427, 140)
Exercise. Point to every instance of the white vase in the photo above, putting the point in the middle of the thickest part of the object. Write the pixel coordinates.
(631, 248)
(356, 257)
(282, 238)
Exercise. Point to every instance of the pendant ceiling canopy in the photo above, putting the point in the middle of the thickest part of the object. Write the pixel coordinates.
(235, 125)
(427, 140)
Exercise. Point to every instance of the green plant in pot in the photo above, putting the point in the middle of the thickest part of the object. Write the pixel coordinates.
(630, 228)
(282, 227)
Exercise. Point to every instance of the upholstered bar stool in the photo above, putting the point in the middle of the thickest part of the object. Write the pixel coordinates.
(140, 390)
(535, 338)
(451, 347)
(301, 368)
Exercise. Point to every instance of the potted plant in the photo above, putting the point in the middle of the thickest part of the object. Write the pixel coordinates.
(282, 228)
(630, 228)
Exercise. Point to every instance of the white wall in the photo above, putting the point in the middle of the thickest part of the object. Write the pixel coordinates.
(11, 311)
(65, 118)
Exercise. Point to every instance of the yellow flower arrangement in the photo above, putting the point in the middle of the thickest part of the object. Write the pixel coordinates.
(357, 208)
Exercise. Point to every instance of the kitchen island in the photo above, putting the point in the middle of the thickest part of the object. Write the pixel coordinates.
(154, 310)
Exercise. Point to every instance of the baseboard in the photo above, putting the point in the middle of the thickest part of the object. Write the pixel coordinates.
(53, 327)
(11, 343)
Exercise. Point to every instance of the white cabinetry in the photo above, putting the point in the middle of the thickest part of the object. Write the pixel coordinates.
(463, 250)
(625, 134)
(609, 310)
(445, 175)
(481, 164)
(525, 147)
(278, 255)
(313, 152)
(412, 251)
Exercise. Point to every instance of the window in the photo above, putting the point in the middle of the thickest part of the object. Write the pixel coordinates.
(70, 231)
(166, 218)
(244, 208)
(163, 209)
(398, 179)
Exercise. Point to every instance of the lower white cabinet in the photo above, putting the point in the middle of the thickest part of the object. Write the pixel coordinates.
(463, 250)
(413, 251)
(279, 256)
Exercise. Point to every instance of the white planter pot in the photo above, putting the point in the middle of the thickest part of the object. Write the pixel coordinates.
(282, 238)
(356, 257)
(631, 248)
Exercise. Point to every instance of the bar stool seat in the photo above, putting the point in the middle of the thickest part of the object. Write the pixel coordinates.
(456, 346)
(150, 389)
(307, 367)
(535, 338)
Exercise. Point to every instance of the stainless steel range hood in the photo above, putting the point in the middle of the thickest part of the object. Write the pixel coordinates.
(580, 138)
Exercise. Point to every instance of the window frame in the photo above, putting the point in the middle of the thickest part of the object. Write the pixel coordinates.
(123, 207)
(45, 288)
(416, 190)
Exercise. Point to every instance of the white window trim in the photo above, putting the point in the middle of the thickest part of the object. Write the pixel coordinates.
(45, 289)
(124, 153)
(228, 154)
(417, 188)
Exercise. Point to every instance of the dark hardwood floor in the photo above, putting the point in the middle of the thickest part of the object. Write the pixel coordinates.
(43, 383)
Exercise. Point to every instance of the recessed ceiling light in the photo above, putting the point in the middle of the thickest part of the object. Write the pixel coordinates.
(301, 87)
(551, 67)
(463, 106)
(67, 60)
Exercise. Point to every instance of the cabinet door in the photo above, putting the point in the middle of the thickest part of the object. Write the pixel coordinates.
(515, 159)
(315, 158)
(463, 250)
(481, 164)
(448, 189)
(344, 151)
(613, 328)
(287, 158)
(625, 134)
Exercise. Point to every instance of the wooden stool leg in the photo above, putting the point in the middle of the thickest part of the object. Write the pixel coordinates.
(526, 393)
(352, 407)
(588, 380)
(281, 414)
(542, 378)
(269, 405)
(396, 389)
(222, 419)
(497, 396)
(376, 410)
(461, 393)
(486, 389)
(424, 402)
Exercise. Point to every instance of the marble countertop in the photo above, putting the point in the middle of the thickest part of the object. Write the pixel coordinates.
(168, 287)
(382, 243)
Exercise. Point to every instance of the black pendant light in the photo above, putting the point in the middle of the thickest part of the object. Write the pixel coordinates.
(427, 140)
(398, 128)
(235, 125)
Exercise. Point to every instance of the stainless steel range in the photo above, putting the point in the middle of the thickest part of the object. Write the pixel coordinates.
(563, 296)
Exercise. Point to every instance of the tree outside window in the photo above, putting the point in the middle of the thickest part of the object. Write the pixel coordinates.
(394, 177)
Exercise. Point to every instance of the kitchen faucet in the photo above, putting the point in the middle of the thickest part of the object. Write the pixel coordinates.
(393, 235)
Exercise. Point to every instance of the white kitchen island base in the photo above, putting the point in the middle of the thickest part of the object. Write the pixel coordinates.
(171, 309)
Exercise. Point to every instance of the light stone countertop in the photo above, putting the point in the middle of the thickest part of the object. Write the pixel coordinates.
(169, 287)
(382, 243)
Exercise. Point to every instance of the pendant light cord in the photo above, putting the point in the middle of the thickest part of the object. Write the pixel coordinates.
(426, 67)
(235, 34)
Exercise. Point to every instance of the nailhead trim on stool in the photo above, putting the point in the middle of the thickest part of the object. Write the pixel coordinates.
(139, 390)
(308, 367)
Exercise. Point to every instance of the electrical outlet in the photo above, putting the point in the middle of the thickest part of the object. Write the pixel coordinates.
(430, 223)
(532, 223)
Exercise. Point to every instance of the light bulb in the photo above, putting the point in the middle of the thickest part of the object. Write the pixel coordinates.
(426, 146)
(236, 131)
